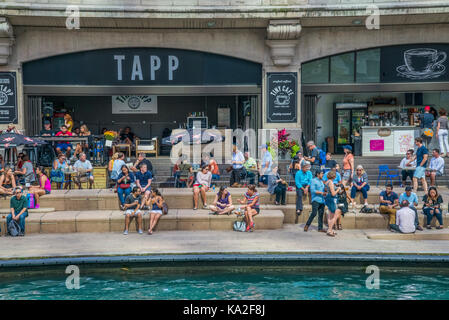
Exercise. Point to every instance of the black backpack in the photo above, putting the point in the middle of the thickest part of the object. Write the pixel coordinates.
(14, 229)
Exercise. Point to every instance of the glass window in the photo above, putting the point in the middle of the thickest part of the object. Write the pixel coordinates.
(316, 71)
(368, 66)
(342, 68)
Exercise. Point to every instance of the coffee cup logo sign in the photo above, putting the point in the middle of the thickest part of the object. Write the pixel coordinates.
(281, 102)
(422, 64)
(282, 95)
(134, 104)
(8, 98)
(4, 93)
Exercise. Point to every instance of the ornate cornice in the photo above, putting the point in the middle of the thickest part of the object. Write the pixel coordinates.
(282, 38)
(6, 40)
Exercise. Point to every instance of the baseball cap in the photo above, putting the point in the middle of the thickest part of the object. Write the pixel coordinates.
(263, 146)
(427, 108)
(408, 188)
(46, 122)
(347, 147)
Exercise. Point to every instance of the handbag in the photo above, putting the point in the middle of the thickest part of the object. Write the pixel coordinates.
(229, 169)
(164, 208)
(124, 185)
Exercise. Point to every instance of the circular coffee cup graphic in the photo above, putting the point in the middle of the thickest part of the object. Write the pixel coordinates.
(422, 63)
(134, 102)
(3, 98)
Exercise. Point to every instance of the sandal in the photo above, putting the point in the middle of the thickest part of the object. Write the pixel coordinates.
(428, 227)
(330, 234)
(439, 227)
(339, 227)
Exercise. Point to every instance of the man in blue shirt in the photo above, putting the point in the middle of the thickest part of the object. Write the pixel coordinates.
(422, 154)
(265, 166)
(237, 166)
(143, 180)
(317, 192)
(389, 201)
(412, 199)
(303, 178)
(314, 156)
(337, 175)
(426, 123)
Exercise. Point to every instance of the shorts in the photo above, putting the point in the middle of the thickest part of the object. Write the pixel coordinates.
(156, 211)
(131, 212)
(8, 186)
(331, 204)
(198, 185)
(47, 191)
(264, 179)
(346, 175)
(63, 146)
(420, 172)
(257, 210)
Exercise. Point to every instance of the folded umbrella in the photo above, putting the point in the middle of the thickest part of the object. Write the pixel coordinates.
(14, 140)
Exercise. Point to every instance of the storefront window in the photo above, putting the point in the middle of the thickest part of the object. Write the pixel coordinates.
(316, 71)
(342, 68)
(368, 66)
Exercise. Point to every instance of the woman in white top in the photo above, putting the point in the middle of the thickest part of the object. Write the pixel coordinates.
(442, 133)
(201, 185)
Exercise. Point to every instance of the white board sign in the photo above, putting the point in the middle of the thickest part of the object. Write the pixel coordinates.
(134, 104)
(403, 141)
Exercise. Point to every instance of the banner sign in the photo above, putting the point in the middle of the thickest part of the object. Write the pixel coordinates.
(8, 98)
(134, 104)
(281, 97)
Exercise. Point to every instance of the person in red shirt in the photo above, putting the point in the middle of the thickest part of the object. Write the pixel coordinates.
(64, 146)
(213, 166)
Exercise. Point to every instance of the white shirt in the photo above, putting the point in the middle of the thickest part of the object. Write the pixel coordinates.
(405, 219)
(437, 164)
(404, 162)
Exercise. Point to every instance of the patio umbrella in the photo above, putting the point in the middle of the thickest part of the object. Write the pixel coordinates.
(9, 140)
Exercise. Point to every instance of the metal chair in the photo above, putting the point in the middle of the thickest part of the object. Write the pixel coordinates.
(388, 174)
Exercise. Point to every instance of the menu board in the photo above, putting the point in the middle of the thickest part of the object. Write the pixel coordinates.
(281, 97)
(8, 98)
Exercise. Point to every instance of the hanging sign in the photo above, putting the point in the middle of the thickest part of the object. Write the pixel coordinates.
(134, 104)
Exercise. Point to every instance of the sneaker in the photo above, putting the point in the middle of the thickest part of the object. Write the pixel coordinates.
(205, 206)
(419, 228)
(125, 232)
(140, 231)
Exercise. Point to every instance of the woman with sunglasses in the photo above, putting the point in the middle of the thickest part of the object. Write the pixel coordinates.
(359, 184)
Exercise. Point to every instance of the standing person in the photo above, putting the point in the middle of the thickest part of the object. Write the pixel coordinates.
(318, 194)
(143, 180)
(125, 181)
(265, 167)
(86, 168)
(252, 208)
(432, 207)
(250, 165)
(237, 166)
(156, 201)
(132, 209)
(442, 133)
(360, 183)
(303, 178)
(436, 167)
(68, 122)
(412, 200)
(348, 165)
(296, 163)
(314, 158)
(408, 162)
(44, 186)
(389, 201)
(421, 163)
(331, 203)
(405, 219)
(277, 186)
(426, 123)
(222, 203)
(201, 186)
(64, 146)
(19, 209)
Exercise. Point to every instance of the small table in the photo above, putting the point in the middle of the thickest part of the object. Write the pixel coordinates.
(122, 145)
(69, 174)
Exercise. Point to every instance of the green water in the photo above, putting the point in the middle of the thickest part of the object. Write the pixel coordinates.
(277, 283)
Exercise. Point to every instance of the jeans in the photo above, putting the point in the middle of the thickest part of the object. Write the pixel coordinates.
(364, 191)
(235, 176)
(416, 216)
(395, 227)
(123, 193)
(251, 177)
(430, 213)
(317, 207)
(21, 220)
(280, 191)
(443, 141)
(215, 177)
(299, 195)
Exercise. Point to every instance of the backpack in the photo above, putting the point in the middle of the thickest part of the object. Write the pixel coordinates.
(164, 208)
(30, 201)
(239, 226)
(321, 157)
(14, 229)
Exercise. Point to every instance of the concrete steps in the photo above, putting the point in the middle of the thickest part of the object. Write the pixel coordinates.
(113, 221)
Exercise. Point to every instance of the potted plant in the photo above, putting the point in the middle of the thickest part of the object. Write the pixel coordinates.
(286, 147)
(110, 136)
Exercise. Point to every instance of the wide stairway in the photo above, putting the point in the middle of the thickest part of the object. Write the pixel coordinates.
(97, 211)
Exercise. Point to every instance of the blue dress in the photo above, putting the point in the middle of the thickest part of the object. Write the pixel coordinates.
(331, 201)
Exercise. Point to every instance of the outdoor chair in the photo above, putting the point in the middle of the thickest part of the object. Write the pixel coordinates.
(147, 146)
(82, 176)
(388, 174)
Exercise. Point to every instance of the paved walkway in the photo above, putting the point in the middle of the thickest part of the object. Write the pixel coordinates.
(291, 239)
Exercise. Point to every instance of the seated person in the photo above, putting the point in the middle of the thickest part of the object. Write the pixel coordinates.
(63, 146)
(27, 172)
(19, 209)
(117, 166)
(213, 166)
(222, 203)
(250, 166)
(85, 168)
(335, 169)
(141, 159)
(186, 173)
(47, 131)
(237, 166)
(82, 147)
(7, 182)
(57, 173)
(389, 201)
(132, 209)
(412, 200)
(432, 207)
(405, 219)
(330, 163)
(76, 131)
(143, 180)
(125, 182)
(436, 167)
(360, 184)
(201, 186)
(2, 164)
(126, 136)
(43, 188)
(277, 186)
(407, 162)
